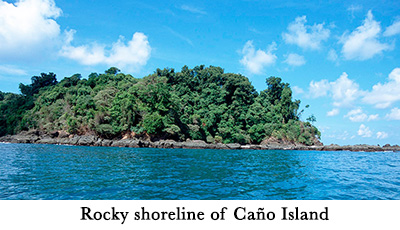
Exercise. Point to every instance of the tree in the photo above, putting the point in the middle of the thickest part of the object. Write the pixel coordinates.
(311, 119)
(274, 89)
(113, 71)
(38, 82)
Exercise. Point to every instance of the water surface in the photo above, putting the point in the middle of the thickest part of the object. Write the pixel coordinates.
(33, 171)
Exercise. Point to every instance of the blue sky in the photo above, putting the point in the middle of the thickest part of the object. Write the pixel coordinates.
(340, 57)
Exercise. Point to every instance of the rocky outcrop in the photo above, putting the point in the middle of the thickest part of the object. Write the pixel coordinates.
(64, 138)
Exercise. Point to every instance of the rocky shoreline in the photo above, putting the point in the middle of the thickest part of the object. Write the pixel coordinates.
(62, 138)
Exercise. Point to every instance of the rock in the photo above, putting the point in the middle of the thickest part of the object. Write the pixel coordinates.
(121, 143)
(62, 137)
(317, 143)
(74, 139)
(314, 147)
(98, 142)
(274, 143)
(133, 143)
(221, 146)
(64, 141)
(196, 144)
(62, 134)
(395, 148)
(332, 147)
(388, 147)
(165, 144)
(106, 142)
(47, 140)
(270, 140)
(233, 146)
(6, 138)
(33, 132)
(53, 134)
(87, 140)
(144, 144)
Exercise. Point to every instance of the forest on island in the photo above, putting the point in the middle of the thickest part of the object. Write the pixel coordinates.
(202, 103)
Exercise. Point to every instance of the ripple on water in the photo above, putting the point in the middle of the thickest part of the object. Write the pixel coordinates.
(71, 172)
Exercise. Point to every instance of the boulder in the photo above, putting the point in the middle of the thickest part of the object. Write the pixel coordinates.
(121, 143)
(196, 144)
(87, 140)
(233, 146)
(106, 142)
(62, 134)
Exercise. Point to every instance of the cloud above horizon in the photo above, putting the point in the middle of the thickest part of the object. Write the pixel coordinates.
(394, 114)
(256, 60)
(29, 27)
(305, 36)
(393, 29)
(343, 91)
(357, 115)
(294, 59)
(384, 95)
(364, 131)
(132, 55)
(363, 43)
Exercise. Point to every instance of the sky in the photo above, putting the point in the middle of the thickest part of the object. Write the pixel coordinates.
(342, 58)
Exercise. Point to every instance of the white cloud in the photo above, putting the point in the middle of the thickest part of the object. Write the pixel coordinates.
(394, 114)
(297, 90)
(392, 29)
(332, 55)
(354, 8)
(344, 91)
(193, 9)
(7, 69)
(333, 112)
(305, 36)
(256, 60)
(373, 117)
(132, 55)
(295, 60)
(363, 42)
(357, 115)
(381, 135)
(319, 88)
(364, 131)
(28, 28)
(384, 95)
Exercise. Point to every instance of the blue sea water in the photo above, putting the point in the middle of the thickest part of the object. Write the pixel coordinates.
(32, 171)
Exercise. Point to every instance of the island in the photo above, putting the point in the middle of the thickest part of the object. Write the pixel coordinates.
(203, 107)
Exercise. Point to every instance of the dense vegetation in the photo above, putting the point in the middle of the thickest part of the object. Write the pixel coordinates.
(199, 103)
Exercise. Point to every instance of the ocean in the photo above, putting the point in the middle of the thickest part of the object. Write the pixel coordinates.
(57, 172)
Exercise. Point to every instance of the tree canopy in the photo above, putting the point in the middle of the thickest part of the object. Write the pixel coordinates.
(203, 103)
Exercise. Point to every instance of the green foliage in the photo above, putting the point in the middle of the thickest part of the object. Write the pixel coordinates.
(218, 139)
(210, 139)
(153, 123)
(105, 130)
(38, 82)
(112, 70)
(200, 103)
